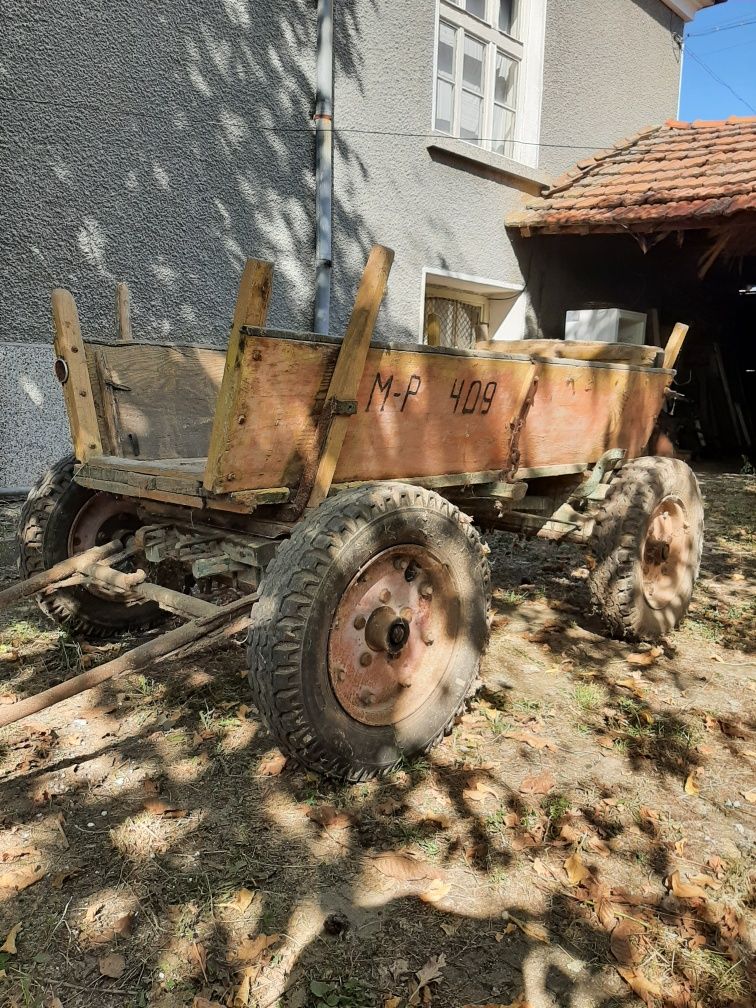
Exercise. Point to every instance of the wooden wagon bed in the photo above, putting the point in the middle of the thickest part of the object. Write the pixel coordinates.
(198, 427)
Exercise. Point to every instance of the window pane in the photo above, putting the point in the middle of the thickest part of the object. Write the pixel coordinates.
(447, 37)
(470, 117)
(472, 66)
(505, 83)
(444, 105)
(503, 131)
(477, 8)
(506, 15)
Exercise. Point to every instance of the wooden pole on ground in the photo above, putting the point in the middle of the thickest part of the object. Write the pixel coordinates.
(38, 582)
(223, 622)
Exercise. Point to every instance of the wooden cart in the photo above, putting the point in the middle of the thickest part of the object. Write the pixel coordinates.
(336, 486)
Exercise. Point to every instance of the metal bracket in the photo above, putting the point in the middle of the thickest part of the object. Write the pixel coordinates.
(607, 461)
(342, 407)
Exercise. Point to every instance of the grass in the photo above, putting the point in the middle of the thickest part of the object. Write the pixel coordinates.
(590, 696)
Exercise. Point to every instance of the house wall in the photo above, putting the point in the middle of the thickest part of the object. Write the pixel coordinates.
(163, 145)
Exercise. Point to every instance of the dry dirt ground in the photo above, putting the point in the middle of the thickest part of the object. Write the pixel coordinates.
(584, 838)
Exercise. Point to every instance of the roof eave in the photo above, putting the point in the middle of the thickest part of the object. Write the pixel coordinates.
(687, 9)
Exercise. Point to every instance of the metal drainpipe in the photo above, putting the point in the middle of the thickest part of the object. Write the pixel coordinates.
(324, 166)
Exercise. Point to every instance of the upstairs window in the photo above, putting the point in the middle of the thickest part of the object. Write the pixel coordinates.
(485, 50)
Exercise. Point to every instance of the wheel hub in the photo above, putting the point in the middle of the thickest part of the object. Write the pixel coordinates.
(393, 635)
(666, 553)
(102, 519)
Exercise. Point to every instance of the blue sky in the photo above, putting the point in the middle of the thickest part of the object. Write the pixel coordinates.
(727, 47)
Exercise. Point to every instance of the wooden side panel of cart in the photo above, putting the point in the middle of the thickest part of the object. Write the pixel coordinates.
(418, 413)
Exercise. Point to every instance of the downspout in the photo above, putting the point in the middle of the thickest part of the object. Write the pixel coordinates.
(323, 166)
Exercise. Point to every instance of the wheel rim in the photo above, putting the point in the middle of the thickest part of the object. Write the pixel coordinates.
(665, 553)
(393, 635)
(101, 519)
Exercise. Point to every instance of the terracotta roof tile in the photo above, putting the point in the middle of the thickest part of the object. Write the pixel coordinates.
(675, 173)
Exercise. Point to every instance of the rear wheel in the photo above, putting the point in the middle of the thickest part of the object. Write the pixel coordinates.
(647, 547)
(59, 520)
(369, 631)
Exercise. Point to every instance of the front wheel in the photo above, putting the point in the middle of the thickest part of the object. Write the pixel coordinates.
(647, 548)
(369, 631)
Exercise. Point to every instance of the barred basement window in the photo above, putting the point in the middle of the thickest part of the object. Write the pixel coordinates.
(451, 321)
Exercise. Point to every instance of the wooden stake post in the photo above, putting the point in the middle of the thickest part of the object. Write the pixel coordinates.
(77, 390)
(345, 380)
(675, 345)
(251, 310)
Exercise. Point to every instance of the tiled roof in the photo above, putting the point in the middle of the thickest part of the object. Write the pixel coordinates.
(679, 175)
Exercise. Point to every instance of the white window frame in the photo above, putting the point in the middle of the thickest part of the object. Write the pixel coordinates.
(527, 49)
(469, 288)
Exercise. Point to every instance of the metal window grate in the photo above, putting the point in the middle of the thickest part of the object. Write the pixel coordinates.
(451, 323)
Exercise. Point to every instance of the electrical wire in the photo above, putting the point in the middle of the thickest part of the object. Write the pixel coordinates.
(309, 128)
(719, 80)
(721, 28)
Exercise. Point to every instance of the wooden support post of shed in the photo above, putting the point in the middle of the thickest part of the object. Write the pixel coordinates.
(71, 369)
(123, 305)
(251, 310)
(345, 381)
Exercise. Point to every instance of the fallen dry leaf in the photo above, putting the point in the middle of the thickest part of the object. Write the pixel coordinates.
(241, 900)
(405, 868)
(479, 791)
(392, 1002)
(202, 1002)
(272, 765)
(112, 965)
(692, 786)
(164, 809)
(436, 819)
(750, 796)
(532, 740)
(10, 941)
(252, 948)
(328, 816)
(576, 870)
(430, 972)
(641, 658)
(124, 925)
(18, 879)
(388, 806)
(243, 711)
(540, 783)
(648, 992)
(684, 890)
(436, 891)
(623, 950)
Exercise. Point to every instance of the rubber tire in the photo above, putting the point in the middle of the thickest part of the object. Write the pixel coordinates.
(301, 588)
(616, 581)
(46, 520)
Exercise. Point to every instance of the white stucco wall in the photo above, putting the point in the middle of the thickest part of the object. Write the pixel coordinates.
(164, 149)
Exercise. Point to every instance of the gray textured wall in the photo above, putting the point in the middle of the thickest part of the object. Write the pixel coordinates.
(162, 144)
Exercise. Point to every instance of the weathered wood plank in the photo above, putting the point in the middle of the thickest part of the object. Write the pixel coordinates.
(230, 410)
(645, 356)
(123, 308)
(77, 388)
(675, 344)
(350, 366)
(163, 396)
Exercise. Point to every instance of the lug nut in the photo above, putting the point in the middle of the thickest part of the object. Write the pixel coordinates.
(359, 622)
(340, 674)
(366, 659)
(428, 639)
(426, 590)
(404, 680)
(399, 563)
(366, 697)
(407, 614)
(385, 595)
